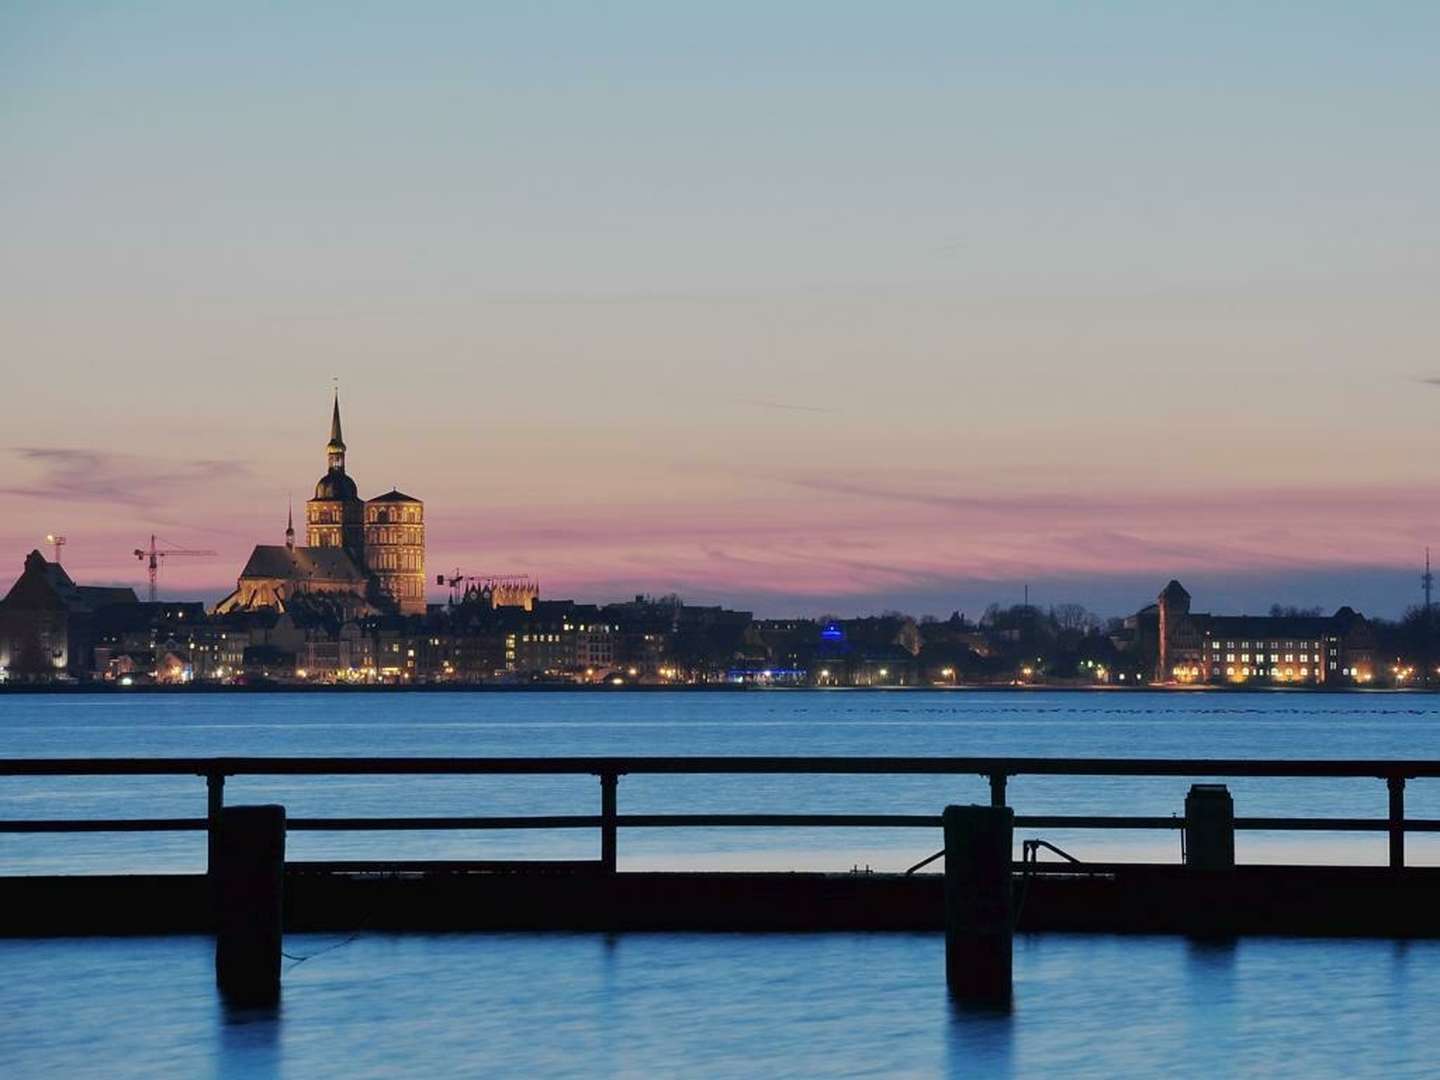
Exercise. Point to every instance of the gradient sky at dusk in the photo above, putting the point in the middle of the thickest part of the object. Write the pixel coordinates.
(806, 307)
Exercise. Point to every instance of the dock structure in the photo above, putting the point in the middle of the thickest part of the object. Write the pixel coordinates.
(983, 896)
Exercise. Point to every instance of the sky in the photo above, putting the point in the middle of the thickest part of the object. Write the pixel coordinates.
(802, 307)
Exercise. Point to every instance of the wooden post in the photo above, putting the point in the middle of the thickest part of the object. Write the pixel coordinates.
(214, 803)
(1209, 827)
(1396, 784)
(979, 927)
(997, 788)
(247, 880)
(609, 781)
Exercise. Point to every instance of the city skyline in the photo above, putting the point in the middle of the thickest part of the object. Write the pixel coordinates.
(844, 315)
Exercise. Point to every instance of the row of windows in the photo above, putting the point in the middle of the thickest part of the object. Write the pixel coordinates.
(1274, 657)
(1302, 672)
(327, 514)
(1268, 644)
(413, 561)
(375, 514)
(403, 534)
(1289, 673)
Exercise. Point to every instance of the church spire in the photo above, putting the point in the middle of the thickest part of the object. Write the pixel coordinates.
(335, 449)
(290, 525)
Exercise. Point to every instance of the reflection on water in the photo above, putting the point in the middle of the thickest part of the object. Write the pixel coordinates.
(724, 1005)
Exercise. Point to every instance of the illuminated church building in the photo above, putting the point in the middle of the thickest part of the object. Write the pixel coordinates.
(363, 556)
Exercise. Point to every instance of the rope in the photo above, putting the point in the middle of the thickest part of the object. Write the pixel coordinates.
(298, 960)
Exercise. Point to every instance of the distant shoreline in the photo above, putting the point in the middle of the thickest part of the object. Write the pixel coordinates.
(706, 688)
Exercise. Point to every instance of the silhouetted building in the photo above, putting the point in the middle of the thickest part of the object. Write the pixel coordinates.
(47, 622)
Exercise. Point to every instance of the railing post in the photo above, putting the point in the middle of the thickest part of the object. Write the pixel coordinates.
(979, 924)
(1396, 784)
(214, 804)
(609, 781)
(997, 788)
(248, 884)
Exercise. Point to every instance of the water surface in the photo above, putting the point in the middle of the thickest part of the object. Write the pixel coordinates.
(1114, 724)
(725, 1005)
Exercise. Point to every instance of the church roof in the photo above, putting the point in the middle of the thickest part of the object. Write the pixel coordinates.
(335, 485)
(1270, 626)
(44, 585)
(1175, 591)
(301, 563)
(394, 496)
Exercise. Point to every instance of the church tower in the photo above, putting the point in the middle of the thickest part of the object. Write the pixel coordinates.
(335, 517)
(395, 549)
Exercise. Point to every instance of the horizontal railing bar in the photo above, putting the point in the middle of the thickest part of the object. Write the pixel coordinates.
(700, 821)
(558, 821)
(1337, 824)
(76, 825)
(1009, 766)
(1092, 821)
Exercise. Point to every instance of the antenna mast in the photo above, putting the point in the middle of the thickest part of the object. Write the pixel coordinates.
(1427, 579)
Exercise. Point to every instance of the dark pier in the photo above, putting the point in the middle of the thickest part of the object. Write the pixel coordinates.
(986, 894)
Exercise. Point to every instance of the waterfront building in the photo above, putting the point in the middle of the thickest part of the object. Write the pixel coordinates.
(1285, 649)
(594, 641)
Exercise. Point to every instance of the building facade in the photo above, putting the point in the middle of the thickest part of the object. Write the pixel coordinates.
(1305, 650)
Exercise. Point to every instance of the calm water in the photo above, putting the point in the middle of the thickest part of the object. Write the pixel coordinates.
(719, 1005)
(661, 1005)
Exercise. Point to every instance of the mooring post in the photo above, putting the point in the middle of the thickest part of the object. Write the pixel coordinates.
(1396, 784)
(247, 880)
(1209, 827)
(979, 927)
(214, 803)
(609, 781)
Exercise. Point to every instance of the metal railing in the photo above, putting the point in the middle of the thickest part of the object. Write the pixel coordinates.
(609, 820)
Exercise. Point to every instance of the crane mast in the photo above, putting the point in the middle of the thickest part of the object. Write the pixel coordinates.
(154, 553)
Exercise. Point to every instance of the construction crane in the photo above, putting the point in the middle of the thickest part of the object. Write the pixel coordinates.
(58, 542)
(155, 554)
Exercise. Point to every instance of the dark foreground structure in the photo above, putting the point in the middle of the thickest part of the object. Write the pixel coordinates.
(251, 894)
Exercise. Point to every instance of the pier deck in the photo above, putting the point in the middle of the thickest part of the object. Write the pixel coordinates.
(1113, 898)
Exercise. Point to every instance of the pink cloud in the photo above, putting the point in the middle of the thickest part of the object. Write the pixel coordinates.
(822, 535)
